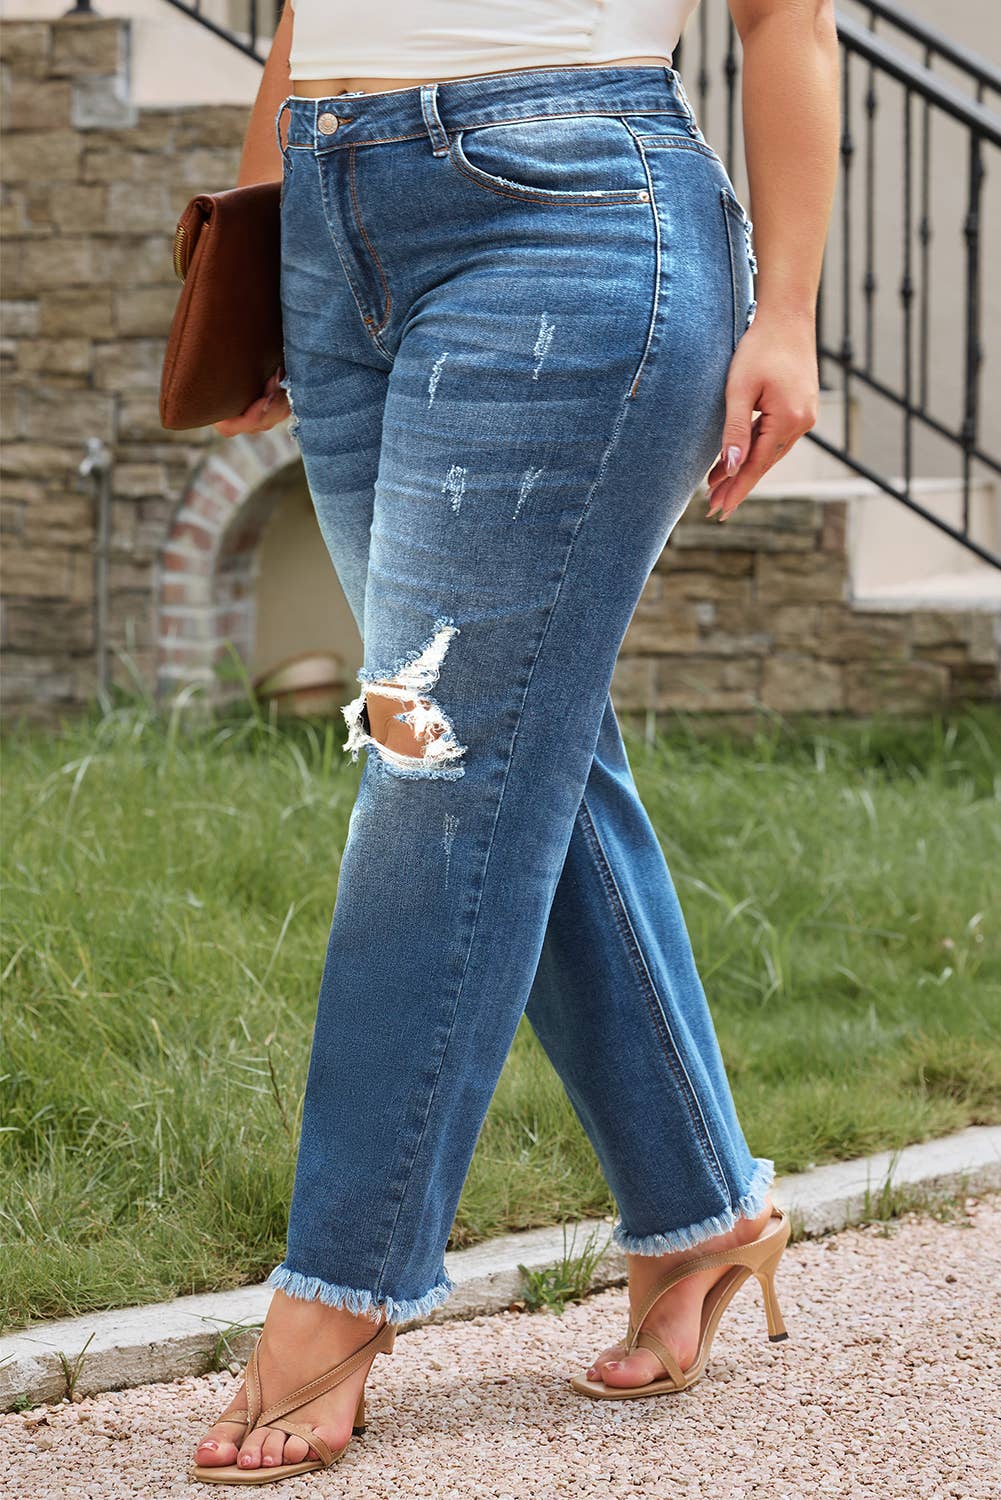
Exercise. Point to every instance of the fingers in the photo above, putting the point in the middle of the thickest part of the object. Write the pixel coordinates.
(738, 425)
(266, 411)
(772, 437)
(261, 415)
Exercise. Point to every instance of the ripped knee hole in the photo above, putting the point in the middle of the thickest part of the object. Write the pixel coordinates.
(396, 718)
(409, 726)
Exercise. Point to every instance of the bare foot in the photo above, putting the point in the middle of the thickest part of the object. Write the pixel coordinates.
(676, 1318)
(300, 1341)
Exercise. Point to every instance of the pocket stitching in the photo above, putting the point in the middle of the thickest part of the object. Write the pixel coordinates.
(603, 197)
(678, 143)
(327, 217)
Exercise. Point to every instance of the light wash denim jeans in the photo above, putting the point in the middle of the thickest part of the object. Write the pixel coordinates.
(509, 304)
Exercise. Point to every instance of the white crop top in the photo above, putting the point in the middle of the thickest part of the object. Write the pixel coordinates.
(456, 38)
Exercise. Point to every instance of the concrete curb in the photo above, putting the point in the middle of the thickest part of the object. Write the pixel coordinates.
(190, 1335)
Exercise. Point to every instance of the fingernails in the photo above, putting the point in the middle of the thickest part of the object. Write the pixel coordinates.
(731, 459)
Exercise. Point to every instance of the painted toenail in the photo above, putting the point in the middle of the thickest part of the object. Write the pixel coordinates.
(612, 1364)
(592, 1374)
(268, 1459)
(210, 1444)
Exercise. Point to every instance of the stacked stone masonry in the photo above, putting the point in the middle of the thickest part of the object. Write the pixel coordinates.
(755, 612)
(737, 616)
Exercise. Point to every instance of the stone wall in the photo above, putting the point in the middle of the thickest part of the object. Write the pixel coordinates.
(93, 190)
(749, 613)
(755, 611)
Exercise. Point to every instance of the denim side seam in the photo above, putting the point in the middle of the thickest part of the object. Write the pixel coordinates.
(655, 211)
(648, 989)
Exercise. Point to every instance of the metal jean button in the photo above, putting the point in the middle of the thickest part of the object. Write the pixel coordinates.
(327, 123)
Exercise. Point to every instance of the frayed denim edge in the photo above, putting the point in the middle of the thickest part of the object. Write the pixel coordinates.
(354, 1300)
(748, 1207)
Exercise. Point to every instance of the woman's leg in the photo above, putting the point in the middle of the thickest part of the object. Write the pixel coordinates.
(618, 1005)
(338, 408)
(528, 480)
(616, 1002)
(526, 486)
(625, 1022)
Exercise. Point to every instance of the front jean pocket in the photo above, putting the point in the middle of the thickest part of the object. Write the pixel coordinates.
(578, 159)
(742, 263)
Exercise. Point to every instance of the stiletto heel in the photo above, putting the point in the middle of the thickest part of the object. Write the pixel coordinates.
(766, 1279)
(760, 1258)
(277, 1416)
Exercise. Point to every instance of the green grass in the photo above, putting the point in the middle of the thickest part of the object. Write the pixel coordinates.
(168, 890)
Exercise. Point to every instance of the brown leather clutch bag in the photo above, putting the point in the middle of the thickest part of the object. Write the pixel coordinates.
(226, 335)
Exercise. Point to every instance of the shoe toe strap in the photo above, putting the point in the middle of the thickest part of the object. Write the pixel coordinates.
(252, 1380)
(300, 1430)
(663, 1353)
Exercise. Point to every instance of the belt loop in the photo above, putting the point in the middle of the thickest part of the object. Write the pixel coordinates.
(278, 122)
(679, 87)
(432, 119)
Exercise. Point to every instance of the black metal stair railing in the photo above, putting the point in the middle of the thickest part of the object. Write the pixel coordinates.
(253, 37)
(968, 69)
(936, 389)
(917, 363)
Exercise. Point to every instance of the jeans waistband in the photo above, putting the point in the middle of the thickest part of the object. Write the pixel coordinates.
(435, 109)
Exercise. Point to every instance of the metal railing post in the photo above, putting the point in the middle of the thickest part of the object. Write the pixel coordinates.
(97, 467)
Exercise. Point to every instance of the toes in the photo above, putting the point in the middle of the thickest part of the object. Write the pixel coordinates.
(595, 1370)
(216, 1450)
(273, 1449)
(636, 1369)
(250, 1452)
(297, 1450)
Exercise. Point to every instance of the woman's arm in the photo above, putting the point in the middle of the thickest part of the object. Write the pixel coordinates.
(261, 161)
(791, 128)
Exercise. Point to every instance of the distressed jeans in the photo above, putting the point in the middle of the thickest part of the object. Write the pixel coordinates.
(509, 303)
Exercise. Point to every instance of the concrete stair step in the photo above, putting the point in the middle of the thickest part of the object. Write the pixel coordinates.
(894, 553)
(968, 590)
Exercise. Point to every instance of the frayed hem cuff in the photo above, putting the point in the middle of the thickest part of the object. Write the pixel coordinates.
(359, 1301)
(749, 1205)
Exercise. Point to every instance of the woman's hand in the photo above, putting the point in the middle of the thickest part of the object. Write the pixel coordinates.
(773, 372)
(270, 408)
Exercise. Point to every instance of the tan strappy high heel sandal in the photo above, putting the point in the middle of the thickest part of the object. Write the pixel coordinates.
(277, 1416)
(759, 1258)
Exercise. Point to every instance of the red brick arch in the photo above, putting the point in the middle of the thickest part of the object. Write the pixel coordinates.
(205, 584)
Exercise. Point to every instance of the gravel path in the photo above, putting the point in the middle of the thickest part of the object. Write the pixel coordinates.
(887, 1389)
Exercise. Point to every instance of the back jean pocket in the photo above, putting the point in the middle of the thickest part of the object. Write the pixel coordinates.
(577, 159)
(742, 263)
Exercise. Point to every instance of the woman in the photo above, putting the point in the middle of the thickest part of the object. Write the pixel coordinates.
(519, 327)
